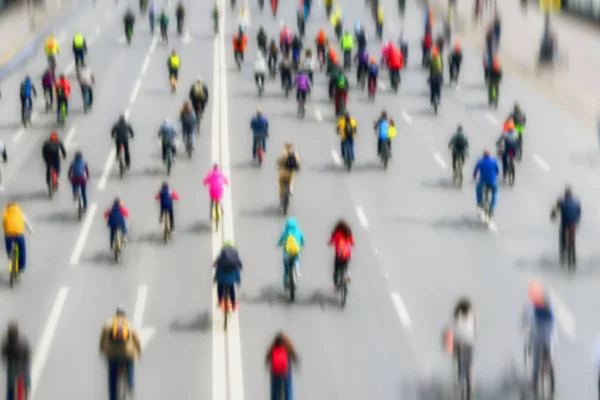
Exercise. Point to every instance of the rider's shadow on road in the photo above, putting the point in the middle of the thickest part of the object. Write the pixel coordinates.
(549, 264)
(274, 295)
(202, 322)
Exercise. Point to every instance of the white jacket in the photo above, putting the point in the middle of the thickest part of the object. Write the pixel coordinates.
(308, 64)
(464, 329)
(260, 65)
(85, 76)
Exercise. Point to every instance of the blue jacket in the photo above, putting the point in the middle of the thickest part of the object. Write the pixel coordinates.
(167, 133)
(115, 218)
(373, 70)
(259, 125)
(383, 129)
(291, 228)
(543, 324)
(488, 170)
(228, 267)
(166, 198)
(570, 211)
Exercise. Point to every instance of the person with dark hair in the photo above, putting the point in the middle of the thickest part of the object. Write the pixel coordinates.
(16, 355)
(342, 239)
(463, 335)
(280, 356)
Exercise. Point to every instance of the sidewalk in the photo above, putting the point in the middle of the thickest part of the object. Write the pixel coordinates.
(574, 83)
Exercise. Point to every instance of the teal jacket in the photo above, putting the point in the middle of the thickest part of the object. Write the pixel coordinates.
(291, 228)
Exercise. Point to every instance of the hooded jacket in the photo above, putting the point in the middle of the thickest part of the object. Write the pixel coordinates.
(488, 170)
(121, 131)
(228, 267)
(116, 216)
(291, 228)
(215, 181)
(14, 221)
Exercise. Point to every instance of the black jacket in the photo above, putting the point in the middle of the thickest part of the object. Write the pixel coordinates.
(129, 19)
(51, 151)
(16, 350)
(193, 94)
(121, 131)
(261, 38)
(570, 211)
(229, 260)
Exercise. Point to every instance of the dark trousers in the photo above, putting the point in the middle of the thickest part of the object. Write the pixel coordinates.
(221, 289)
(168, 210)
(380, 142)
(339, 266)
(435, 87)
(50, 93)
(456, 157)
(113, 376)
(26, 100)
(113, 231)
(56, 166)
(561, 240)
(81, 183)
(20, 241)
(125, 144)
(350, 141)
(164, 151)
(59, 103)
(12, 374)
(79, 53)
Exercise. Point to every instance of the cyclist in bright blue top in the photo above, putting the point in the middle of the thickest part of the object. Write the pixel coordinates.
(25, 94)
(260, 130)
(488, 176)
(382, 126)
(291, 229)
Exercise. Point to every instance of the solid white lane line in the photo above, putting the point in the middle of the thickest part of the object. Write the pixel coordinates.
(69, 137)
(362, 217)
(70, 67)
(491, 118)
(85, 230)
(406, 117)
(381, 85)
(21, 131)
(136, 89)
(43, 348)
(126, 114)
(106, 171)
(336, 159)
(440, 160)
(401, 309)
(140, 306)
(318, 115)
(145, 65)
(541, 163)
(563, 315)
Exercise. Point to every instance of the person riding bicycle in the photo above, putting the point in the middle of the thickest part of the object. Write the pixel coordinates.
(302, 82)
(463, 337)
(272, 56)
(51, 151)
(459, 145)
(343, 241)
(362, 58)
(121, 132)
(63, 90)
(297, 47)
(519, 118)
(179, 15)
(360, 36)
(187, 117)
(215, 179)
(285, 72)
(346, 128)
(301, 21)
(16, 355)
(495, 76)
(382, 127)
(199, 96)
(540, 324)
(321, 43)
(115, 219)
(292, 242)
(373, 72)
(260, 131)
(15, 223)
(342, 85)
(128, 21)
(121, 345)
(166, 195)
(347, 47)
(86, 81)
(455, 61)
(285, 40)
(260, 69)
(79, 48)
(48, 85)
(51, 48)
(239, 43)
(26, 89)
(173, 64)
(167, 133)
(287, 164)
(508, 144)
(281, 357)
(395, 63)
(228, 267)
(215, 17)
(488, 170)
(436, 75)
(163, 23)
(261, 39)
(379, 22)
(79, 174)
(569, 209)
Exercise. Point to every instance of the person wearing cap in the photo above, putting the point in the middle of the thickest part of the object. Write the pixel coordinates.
(455, 61)
(15, 223)
(16, 354)
(115, 219)
(199, 96)
(488, 170)
(52, 149)
(79, 174)
(569, 209)
(260, 130)
(507, 143)
(120, 344)
(121, 132)
(228, 266)
(287, 164)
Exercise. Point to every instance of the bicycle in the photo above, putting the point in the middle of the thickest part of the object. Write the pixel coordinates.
(27, 114)
(128, 34)
(166, 225)
(362, 78)
(395, 81)
(290, 277)
(511, 168)
(436, 103)
(52, 182)
(568, 250)
(62, 114)
(372, 89)
(545, 383)
(342, 284)
(168, 158)
(385, 153)
(118, 244)
(287, 86)
(260, 154)
(13, 265)
(173, 83)
(493, 95)
(347, 154)
(238, 60)
(285, 202)
(225, 305)
(487, 204)
(302, 106)
(48, 99)
(260, 83)
(457, 176)
(86, 100)
(122, 383)
(216, 214)
(122, 164)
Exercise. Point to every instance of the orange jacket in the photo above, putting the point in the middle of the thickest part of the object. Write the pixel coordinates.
(65, 85)
(236, 43)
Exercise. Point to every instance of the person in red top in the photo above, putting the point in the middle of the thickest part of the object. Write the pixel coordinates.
(63, 90)
(166, 196)
(115, 217)
(239, 44)
(342, 239)
(280, 358)
(395, 62)
(427, 42)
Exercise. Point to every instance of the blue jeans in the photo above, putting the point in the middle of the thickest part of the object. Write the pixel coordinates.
(83, 186)
(113, 375)
(349, 142)
(281, 383)
(20, 240)
(286, 260)
(263, 140)
(12, 374)
(479, 193)
(189, 132)
(113, 229)
(536, 357)
(221, 289)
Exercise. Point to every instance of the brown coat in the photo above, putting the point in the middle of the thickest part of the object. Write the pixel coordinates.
(129, 350)
(283, 172)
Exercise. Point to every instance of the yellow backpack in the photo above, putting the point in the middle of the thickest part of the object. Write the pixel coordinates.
(120, 330)
(291, 246)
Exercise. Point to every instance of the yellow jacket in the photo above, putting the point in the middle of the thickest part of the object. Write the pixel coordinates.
(51, 48)
(14, 221)
(391, 132)
(341, 127)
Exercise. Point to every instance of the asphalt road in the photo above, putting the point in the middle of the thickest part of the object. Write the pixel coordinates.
(419, 242)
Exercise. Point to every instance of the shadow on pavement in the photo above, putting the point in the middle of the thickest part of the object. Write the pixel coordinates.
(30, 196)
(482, 105)
(330, 167)
(550, 264)
(154, 237)
(274, 294)
(103, 257)
(197, 228)
(272, 210)
(416, 93)
(246, 165)
(11, 126)
(150, 172)
(367, 166)
(458, 222)
(63, 216)
(473, 86)
(269, 93)
(425, 111)
(440, 183)
(201, 322)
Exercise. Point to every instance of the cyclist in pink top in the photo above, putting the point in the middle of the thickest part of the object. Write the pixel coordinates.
(215, 181)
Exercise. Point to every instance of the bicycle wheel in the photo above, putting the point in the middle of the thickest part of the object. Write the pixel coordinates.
(14, 264)
(259, 152)
(79, 205)
(384, 154)
(169, 161)
(286, 198)
(217, 215)
(121, 162)
(167, 225)
(291, 279)
(117, 245)
(511, 172)
(225, 305)
(343, 285)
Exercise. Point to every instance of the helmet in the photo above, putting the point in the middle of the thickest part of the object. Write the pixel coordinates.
(228, 243)
(120, 310)
(536, 293)
(53, 137)
(383, 114)
(509, 125)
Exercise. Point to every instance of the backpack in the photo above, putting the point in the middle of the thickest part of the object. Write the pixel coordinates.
(199, 91)
(291, 162)
(279, 362)
(51, 45)
(342, 82)
(79, 168)
(120, 330)
(343, 249)
(291, 246)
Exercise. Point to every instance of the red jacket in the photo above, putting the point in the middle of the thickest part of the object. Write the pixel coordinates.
(396, 60)
(124, 211)
(65, 85)
(337, 238)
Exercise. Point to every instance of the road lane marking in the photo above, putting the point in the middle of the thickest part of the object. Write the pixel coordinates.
(381, 85)
(406, 117)
(69, 67)
(69, 137)
(401, 309)
(21, 131)
(43, 348)
(85, 230)
(541, 163)
(135, 91)
(440, 160)
(140, 305)
(563, 315)
(457, 88)
(336, 159)
(362, 217)
(106, 171)
(318, 115)
(491, 118)
(145, 65)
(493, 227)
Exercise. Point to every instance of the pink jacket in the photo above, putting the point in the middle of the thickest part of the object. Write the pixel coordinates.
(215, 181)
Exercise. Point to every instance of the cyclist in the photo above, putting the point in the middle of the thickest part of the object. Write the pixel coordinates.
(280, 357)
(507, 143)
(426, 48)
(395, 63)
(215, 17)
(302, 82)
(286, 71)
(297, 47)
(86, 80)
(128, 21)
(285, 40)
(51, 151)
(166, 195)
(199, 96)
(163, 23)
(152, 16)
(459, 145)
(272, 58)
(308, 64)
(342, 239)
(346, 128)
(120, 344)
(167, 133)
(373, 71)
(260, 69)
(463, 335)
(347, 46)
(260, 131)
(261, 39)
(383, 127)
(300, 21)
(455, 61)
(79, 48)
(173, 63)
(287, 164)
(239, 44)
(495, 77)
(488, 170)
(403, 43)
(539, 321)
(188, 122)
(436, 78)
(341, 92)
(520, 120)
(359, 34)
(115, 219)
(362, 57)
(25, 91)
(292, 241)
(121, 132)
(228, 266)
(179, 15)
(569, 209)
(215, 181)
(16, 354)
(52, 49)
(63, 90)
(15, 223)
(321, 42)
(79, 174)
(379, 24)
(48, 85)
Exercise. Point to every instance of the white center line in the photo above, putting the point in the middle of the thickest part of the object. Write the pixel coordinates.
(406, 117)
(69, 137)
(401, 309)
(440, 160)
(140, 306)
(541, 163)
(336, 159)
(43, 347)
(381, 85)
(318, 115)
(491, 118)
(18, 135)
(145, 65)
(106, 171)
(362, 217)
(135, 91)
(85, 230)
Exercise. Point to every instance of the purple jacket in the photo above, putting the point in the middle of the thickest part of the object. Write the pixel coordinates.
(302, 82)
(47, 80)
(363, 57)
